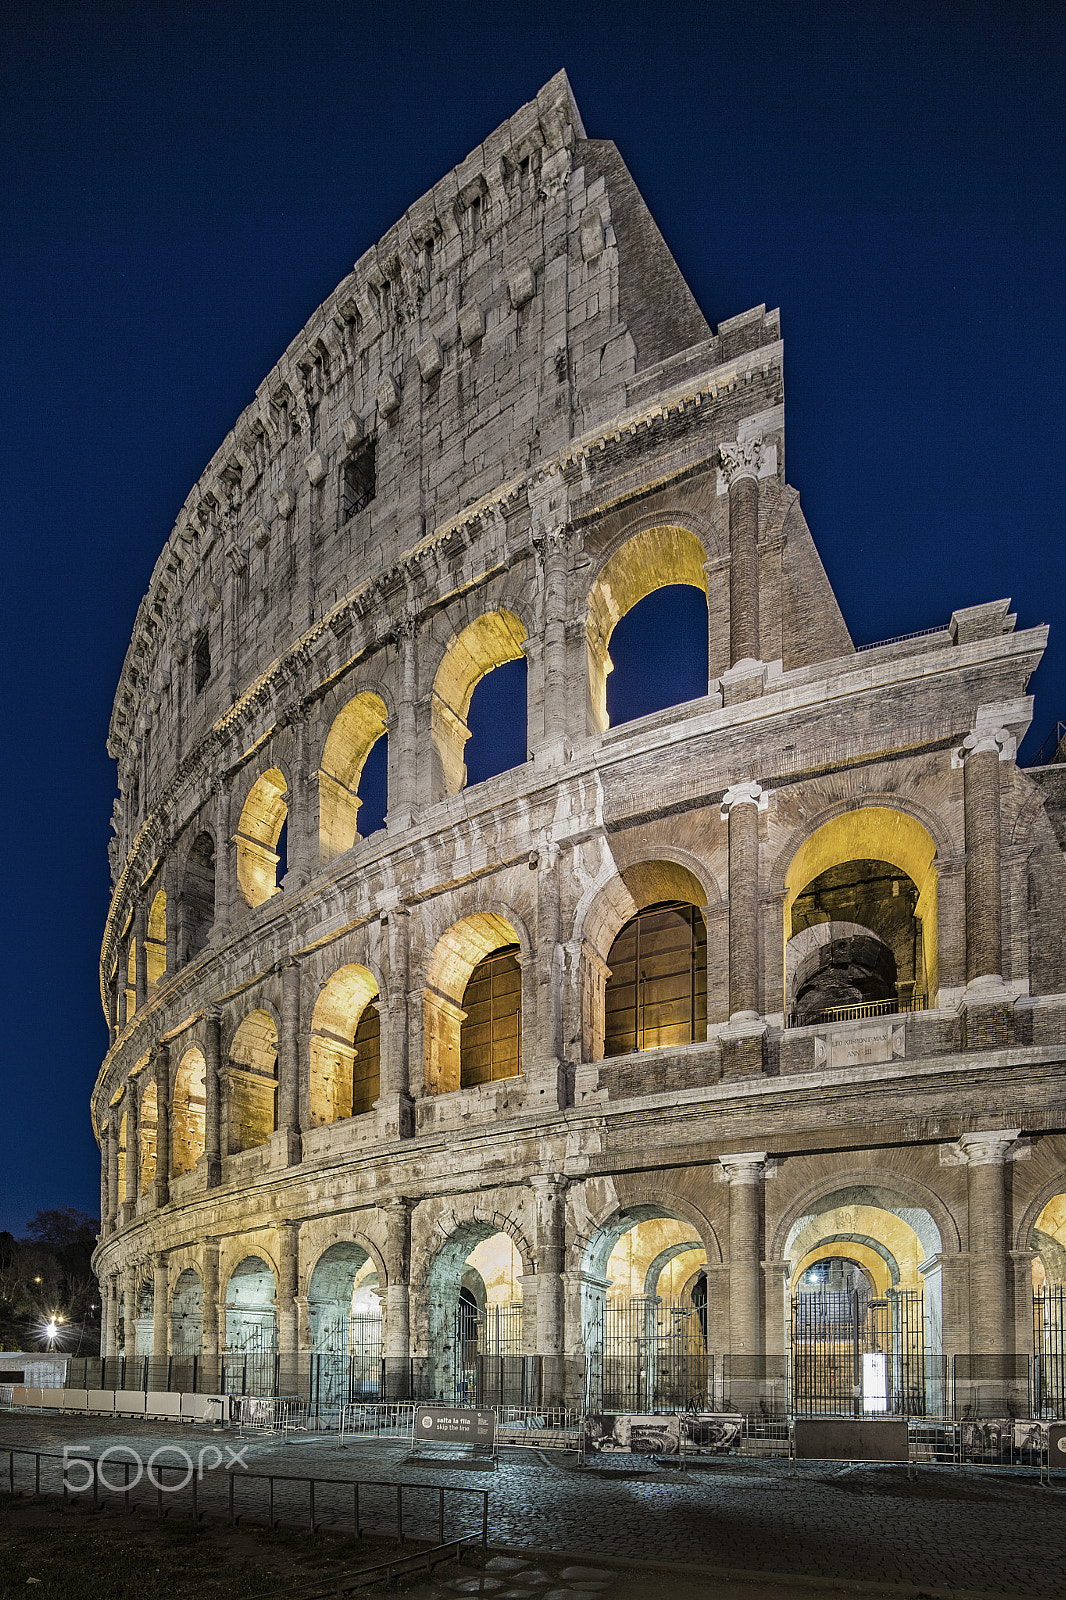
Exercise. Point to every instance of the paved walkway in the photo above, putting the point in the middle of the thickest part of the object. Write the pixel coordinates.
(985, 1531)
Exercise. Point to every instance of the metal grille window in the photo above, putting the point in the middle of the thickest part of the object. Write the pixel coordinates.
(490, 1042)
(359, 482)
(1049, 1346)
(657, 992)
(366, 1068)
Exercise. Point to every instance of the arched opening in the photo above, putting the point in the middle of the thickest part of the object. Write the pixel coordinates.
(190, 1107)
(497, 723)
(198, 896)
(457, 955)
(145, 1317)
(644, 943)
(484, 644)
(860, 916)
(131, 977)
(344, 1307)
(251, 1328)
(644, 1314)
(865, 1318)
(476, 1325)
(1048, 1240)
(490, 1035)
(658, 654)
(358, 732)
(259, 845)
(250, 1104)
(186, 1319)
(156, 942)
(656, 995)
(657, 558)
(149, 1124)
(345, 1047)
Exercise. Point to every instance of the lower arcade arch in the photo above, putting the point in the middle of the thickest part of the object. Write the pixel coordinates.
(1047, 1240)
(476, 1317)
(864, 1315)
(644, 1314)
(250, 1310)
(345, 1325)
(187, 1316)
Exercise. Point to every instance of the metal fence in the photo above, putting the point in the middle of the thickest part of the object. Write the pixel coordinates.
(1049, 1352)
(647, 1353)
(854, 1353)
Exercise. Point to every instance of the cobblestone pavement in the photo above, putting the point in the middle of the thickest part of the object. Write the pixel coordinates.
(987, 1531)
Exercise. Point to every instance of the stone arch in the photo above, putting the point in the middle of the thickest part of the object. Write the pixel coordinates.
(189, 1111)
(155, 944)
(197, 895)
(331, 1287)
(353, 733)
(340, 1084)
(664, 1258)
(187, 1315)
(250, 1100)
(888, 1191)
(445, 1257)
(263, 815)
(605, 911)
(1048, 1191)
(250, 1305)
(874, 1257)
(645, 559)
(486, 642)
(456, 953)
(878, 829)
(149, 1122)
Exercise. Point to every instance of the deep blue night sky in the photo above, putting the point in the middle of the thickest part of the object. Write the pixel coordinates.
(183, 184)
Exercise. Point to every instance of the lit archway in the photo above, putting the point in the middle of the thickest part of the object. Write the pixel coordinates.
(655, 558)
(187, 1316)
(345, 1046)
(250, 1104)
(880, 864)
(485, 643)
(188, 1115)
(198, 896)
(458, 952)
(156, 942)
(344, 1308)
(258, 831)
(355, 731)
(251, 1324)
(475, 1309)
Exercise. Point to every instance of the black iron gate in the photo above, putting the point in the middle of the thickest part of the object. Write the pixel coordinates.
(346, 1361)
(490, 1367)
(647, 1353)
(1049, 1351)
(853, 1353)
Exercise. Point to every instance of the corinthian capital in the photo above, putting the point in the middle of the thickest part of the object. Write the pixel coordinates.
(743, 459)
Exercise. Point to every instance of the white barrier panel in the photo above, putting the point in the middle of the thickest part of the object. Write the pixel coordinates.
(129, 1402)
(52, 1398)
(163, 1406)
(19, 1393)
(100, 1400)
(204, 1407)
(75, 1399)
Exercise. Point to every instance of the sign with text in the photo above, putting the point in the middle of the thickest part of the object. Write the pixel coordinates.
(454, 1425)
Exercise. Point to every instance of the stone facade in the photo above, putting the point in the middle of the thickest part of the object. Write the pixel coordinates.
(507, 426)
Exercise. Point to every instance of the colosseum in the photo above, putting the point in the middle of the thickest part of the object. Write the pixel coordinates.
(713, 1057)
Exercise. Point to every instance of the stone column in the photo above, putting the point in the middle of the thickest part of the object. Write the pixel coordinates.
(112, 1168)
(551, 549)
(133, 1148)
(991, 1331)
(292, 1116)
(745, 1171)
(288, 1283)
(173, 894)
(398, 1298)
(403, 787)
(549, 1202)
(162, 1123)
(740, 466)
(160, 1317)
(742, 1044)
(225, 859)
(302, 813)
(139, 934)
(394, 1103)
(105, 1163)
(984, 944)
(112, 1011)
(209, 1336)
(122, 983)
(131, 1284)
(212, 1097)
(110, 1292)
(544, 1067)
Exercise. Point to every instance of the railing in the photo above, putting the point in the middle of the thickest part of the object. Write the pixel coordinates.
(901, 638)
(856, 1013)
